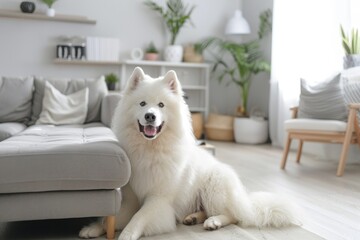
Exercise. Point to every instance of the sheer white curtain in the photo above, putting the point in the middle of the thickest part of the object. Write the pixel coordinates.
(306, 43)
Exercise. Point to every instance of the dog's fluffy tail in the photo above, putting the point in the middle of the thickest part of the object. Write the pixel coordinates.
(271, 210)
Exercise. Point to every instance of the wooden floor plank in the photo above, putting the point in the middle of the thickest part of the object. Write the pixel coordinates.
(330, 205)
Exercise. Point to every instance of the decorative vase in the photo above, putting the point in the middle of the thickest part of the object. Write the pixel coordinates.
(50, 12)
(27, 7)
(351, 61)
(250, 130)
(173, 53)
(151, 56)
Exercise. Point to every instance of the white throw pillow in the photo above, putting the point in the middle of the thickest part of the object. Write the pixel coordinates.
(59, 109)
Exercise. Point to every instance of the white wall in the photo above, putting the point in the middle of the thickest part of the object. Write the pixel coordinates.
(28, 47)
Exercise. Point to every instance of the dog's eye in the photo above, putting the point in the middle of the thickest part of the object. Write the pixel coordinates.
(161, 105)
(143, 103)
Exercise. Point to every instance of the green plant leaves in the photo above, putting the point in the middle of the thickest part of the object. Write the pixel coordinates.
(351, 44)
(49, 3)
(175, 16)
(265, 25)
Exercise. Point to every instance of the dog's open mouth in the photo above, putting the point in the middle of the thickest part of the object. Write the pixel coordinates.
(150, 131)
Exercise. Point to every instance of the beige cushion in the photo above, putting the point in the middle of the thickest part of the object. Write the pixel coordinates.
(315, 124)
(97, 90)
(59, 109)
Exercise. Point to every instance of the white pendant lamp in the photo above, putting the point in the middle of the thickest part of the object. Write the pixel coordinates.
(237, 24)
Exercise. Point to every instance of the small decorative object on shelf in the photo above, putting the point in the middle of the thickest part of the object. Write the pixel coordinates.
(137, 54)
(151, 52)
(71, 48)
(63, 51)
(50, 12)
(111, 79)
(192, 55)
(27, 7)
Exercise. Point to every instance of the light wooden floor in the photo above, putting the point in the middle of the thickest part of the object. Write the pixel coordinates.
(330, 205)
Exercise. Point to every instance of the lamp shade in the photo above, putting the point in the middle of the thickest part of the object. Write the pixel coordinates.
(237, 24)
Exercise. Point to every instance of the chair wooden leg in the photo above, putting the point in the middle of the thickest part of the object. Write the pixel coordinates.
(298, 156)
(346, 143)
(110, 227)
(286, 152)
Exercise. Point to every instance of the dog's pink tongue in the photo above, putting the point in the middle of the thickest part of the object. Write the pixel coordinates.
(150, 130)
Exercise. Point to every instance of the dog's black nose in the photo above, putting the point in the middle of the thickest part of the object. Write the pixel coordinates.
(150, 117)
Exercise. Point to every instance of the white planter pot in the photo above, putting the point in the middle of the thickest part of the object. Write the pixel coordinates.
(173, 53)
(50, 12)
(351, 61)
(250, 130)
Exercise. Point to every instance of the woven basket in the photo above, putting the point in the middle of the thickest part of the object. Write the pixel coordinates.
(220, 127)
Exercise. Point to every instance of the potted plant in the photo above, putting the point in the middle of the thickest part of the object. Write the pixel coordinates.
(351, 45)
(246, 61)
(111, 79)
(151, 52)
(175, 16)
(50, 12)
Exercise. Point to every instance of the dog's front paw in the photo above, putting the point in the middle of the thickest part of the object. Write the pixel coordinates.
(127, 235)
(92, 231)
(212, 223)
(189, 220)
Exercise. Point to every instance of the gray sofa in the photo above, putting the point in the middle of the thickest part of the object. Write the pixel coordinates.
(65, 171)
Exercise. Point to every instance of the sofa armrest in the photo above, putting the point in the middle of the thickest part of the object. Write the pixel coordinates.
(108, 105)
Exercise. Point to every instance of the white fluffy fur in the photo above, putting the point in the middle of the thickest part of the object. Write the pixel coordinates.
(172, 177)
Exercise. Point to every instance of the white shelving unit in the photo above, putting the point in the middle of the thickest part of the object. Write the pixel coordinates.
(194, 78)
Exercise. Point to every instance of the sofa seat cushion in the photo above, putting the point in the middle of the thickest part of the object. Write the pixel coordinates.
(9, 129)
(68, 157)
(315, 125)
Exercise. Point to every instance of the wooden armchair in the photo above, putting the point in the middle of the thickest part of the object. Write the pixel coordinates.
(327, 131)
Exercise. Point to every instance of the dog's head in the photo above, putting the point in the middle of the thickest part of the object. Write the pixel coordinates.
(153, 103)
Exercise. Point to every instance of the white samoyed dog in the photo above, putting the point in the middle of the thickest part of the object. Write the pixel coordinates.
(173, 180)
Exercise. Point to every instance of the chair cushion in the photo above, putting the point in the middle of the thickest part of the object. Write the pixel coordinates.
(68, 157)
(9, 129)
(315, 125)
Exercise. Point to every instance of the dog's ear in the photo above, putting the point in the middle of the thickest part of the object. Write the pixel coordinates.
(172, 82)
(135, 78)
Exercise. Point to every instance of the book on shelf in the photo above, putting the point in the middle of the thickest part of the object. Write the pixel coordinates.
(102, 49)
